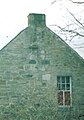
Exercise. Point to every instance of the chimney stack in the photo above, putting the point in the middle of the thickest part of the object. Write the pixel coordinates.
(36, 20)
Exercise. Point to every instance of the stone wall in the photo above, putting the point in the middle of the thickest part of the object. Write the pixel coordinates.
(29, 66)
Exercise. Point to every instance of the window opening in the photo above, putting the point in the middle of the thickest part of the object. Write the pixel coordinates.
(64, 90)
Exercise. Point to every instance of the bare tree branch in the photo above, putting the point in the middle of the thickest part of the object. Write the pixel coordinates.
(70, 31)
(73, 28)
(53, 2)
(76, 19)
(75, 32)
(76, 2)
(70, 1)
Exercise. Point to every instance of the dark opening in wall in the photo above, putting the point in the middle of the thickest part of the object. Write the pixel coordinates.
(29, 75)
(43, 84)
(33, 47)
(32, 62)
(37, 105)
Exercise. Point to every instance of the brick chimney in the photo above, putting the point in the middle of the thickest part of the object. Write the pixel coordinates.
(36, 20)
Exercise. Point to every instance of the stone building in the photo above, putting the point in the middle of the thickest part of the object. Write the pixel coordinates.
(41, 77)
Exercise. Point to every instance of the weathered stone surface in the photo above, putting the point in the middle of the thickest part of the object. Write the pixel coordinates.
(29, 66)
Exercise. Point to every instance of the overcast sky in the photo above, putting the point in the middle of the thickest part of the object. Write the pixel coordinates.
(13, 16)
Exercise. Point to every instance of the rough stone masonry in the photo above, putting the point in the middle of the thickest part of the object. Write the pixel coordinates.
(41, 77)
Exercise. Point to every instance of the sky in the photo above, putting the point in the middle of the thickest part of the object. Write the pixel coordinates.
(13, 16)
